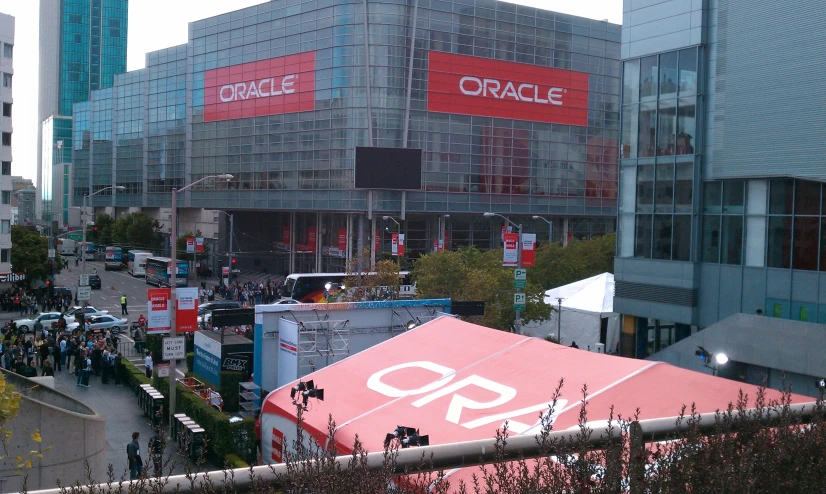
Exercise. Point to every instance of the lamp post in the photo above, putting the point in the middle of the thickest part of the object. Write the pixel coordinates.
(173, 283)
(441, 236)
(517, 326)
(550, 227)
(229, 253)
(559, 320)
(399, 232)
(83, 243)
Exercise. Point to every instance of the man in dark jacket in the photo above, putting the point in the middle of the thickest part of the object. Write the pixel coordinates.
(133, 454)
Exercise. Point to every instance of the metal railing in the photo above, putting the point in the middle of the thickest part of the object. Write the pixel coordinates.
(463, 454)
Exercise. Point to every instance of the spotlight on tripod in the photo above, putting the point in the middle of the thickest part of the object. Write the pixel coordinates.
(306, 391)
(407, 437)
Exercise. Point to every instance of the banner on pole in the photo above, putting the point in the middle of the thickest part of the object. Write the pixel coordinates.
(199, 244)
(285, 235)
(342, 239)
(377, 241)
(401, 244)
(511, 253)
(158, 310)
(186, 315)
(190, 245)
(394, 244)
(312, 238)
(528, 250)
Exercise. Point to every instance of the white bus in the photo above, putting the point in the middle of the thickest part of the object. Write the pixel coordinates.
(136, 262)
(309, 288)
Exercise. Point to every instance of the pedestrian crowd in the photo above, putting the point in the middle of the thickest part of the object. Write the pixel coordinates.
(248, 293)
(24, 302)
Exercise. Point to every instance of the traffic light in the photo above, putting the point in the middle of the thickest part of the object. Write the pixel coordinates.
(234, 260)
(48, 283)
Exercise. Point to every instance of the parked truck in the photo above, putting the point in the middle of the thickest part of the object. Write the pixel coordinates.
(67, 247)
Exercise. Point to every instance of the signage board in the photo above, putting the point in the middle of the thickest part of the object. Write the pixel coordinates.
(483, 87)
(51, 253)
(520, 274)
(528, 249)
(75, 236)
(174, 348)
(163, 370)
(190, 245)
(186, 315)
(207, 359)
(158, 320)
(519, 301)
(12, 277)
(267, 87)
(84, 280)
(510, 256)
(84, 293)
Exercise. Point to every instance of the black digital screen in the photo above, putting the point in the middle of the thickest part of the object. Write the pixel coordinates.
(388, 168)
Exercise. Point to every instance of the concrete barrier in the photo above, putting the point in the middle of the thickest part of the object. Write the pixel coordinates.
(75, 432)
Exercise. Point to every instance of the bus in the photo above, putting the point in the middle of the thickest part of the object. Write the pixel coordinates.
(89, 255)
(136, 262)
(114, 258)
(309, 288)
(159, 269)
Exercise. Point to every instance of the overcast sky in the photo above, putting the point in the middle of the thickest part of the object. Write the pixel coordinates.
(156, 24)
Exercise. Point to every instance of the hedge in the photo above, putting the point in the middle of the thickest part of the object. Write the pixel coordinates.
(134, 376)
(190, 359)
(230, 388)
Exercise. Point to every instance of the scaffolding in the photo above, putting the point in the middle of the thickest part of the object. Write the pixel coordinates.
(321, 343)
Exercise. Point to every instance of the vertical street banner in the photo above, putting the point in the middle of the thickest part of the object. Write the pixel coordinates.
(312, 238)
(207, 360)
(401, 244)
(394, 244)
(285, 235)
(342, 239)
(528, 250)
(377, 241)
(186, 312)
(287, 352)
(511, 255)
(190, 245)
(157, 321)
(199, 244)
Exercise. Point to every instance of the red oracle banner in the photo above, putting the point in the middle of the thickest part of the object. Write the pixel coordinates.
(199, 244)
(342, 239)
(186, 310)
(377, 242)
(511, 254)
(528, 250)
(312, 237)
(158, 308)
(493, 88)
(394, 244)
(285, 235)
(267, 87)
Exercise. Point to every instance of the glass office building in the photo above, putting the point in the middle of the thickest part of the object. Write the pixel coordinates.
(82, 47)
(516, 110)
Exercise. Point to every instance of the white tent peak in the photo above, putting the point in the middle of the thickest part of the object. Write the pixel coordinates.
(594, 294)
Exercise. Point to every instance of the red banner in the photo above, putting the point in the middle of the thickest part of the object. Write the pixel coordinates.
(511, 254)
(267, 87)
(394, 244)
(158, 320)
(401, 244)
(312, 238)
(186, 310)
(285, 235)
(342, 239)
(190, 244)
(528, 250)
(377, 238)
(493, 88)
(199, 244)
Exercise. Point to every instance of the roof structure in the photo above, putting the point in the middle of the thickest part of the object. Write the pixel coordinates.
(457, 381)
(594, 294)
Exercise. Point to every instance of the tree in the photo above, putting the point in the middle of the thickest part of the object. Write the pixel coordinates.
(471, 275)
(558, 266)
(374, 283)
(136, 230)
(101, 231)
(30, 254)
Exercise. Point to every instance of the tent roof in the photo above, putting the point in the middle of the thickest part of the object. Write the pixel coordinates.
(594, 294)
(457, 381)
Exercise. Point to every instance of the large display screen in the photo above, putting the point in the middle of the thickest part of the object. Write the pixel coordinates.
(493, 88)
(388, 168)
(267, 87)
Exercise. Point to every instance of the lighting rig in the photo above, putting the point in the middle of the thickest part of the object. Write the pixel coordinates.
(306, 391)
(407, 437)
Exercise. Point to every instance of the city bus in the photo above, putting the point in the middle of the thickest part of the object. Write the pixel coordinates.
(136, 262)
(159, 269)
(309, 288)
(89, 255)
(114, 258)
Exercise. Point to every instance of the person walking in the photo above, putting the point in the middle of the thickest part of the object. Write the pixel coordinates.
(123, 310)
(133, 454)
(147, 362)
(156, 446)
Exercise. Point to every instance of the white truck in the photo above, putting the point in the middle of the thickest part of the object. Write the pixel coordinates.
(68, 247)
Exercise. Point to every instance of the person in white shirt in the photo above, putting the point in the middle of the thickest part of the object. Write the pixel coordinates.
(148, 363)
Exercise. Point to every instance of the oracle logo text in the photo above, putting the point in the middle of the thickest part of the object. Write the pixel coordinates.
(441, 386)
(493, 88)
(270, 86)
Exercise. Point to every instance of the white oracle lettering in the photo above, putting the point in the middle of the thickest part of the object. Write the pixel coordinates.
(239, 93)
(487, 83)
(231, 97)
(468, 92)
(548, 417)
(261, 88)
(536, 95)
(522, 96)
(458, 402)
(555, 95)
(375, 383)
(509, 91)
(285, 84)
(252, 91)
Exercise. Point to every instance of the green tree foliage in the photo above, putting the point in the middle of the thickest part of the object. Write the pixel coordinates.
(557, 265)
(30, 254)
(368, 284)
(137, 231)
(472, 275)
(101, 232)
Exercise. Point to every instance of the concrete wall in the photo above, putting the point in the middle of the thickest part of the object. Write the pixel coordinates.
(75, 432)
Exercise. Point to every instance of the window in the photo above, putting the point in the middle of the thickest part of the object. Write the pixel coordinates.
(781, 194)
(645, 188)
(6, 109)
(5, 226)
(6, 138)
(732, 240)
(6, 168)
(648, 129)
(630, 130)
(664, 189)
(648, 78)
(631, 82)
(6, 80)
(733, 197)
(806, 198)
(662, 236)
(711, 238)
(688, 71)
(779, 243)
(681, 241)
(686, 126)
(666, 145)
(642, 246)
(5, 197)
(8, 50)
(805, 242)
(5, 255)
(668, 74)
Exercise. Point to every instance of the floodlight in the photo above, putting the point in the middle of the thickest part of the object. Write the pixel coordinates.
(721, 358)
(298, 388)
(328, 286)
(703, 354)
(411, 324)
(821, 383)
(407, 436)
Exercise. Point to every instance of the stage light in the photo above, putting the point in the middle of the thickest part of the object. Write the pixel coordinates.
(407, 437)
(298, 388)
(411, 324)
(703, 354)
(721, 358)
(306, 391)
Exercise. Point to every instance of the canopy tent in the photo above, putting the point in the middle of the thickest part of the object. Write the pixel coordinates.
(588, 316)
(456, 381)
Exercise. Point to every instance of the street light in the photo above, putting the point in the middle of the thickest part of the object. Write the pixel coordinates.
(398, 239)
(83, 244)
(517, 327)
(550, 227)
(173, 283)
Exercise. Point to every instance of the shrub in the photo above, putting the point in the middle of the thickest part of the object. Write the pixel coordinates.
(190, 359)
(229, 390)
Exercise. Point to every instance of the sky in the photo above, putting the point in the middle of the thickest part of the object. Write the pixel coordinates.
(157, 24)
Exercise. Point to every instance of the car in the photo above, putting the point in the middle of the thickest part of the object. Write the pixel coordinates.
(38, 322)
(87, 311)
(94, 281)
(218, 304)
(286, 301)
(106, 321)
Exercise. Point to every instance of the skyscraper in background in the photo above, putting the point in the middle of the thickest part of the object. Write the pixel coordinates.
(82, 47)
(6, 78)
